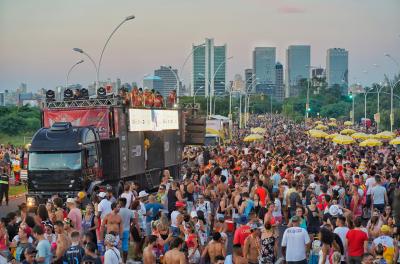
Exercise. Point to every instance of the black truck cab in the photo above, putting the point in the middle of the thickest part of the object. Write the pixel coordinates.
(62, 157)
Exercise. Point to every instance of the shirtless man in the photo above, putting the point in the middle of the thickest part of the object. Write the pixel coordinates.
(252, 245)
(148, 255)
(112, 222)
(238, 255)
(174, 255)
(214, 248)
(63, 241)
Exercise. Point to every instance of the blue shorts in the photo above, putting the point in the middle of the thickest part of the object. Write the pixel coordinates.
(125, 240)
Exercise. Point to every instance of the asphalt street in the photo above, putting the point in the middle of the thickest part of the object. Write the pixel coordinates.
(12, 205)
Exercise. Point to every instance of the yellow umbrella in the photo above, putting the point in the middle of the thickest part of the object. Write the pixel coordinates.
(318, 122)
(347, 131)
(332, 119)
(258, 130)
(332, 124)
(395, 141)
(370, 143)
(348, 123)
(385, 135)
(253, 137)
(332, 135)
(318, 134)
(343, 140)
(321, 127)
(360, 135)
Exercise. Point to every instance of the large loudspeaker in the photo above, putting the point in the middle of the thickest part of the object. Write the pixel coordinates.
(136, 153)
(155, 153)
(195, 130)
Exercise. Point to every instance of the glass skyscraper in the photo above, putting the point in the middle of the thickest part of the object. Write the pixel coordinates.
(209, 69)
(337, 68)
(168, 79)
(264, 60)
(298, 60)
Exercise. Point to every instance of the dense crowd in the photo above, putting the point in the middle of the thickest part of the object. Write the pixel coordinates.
(289, 198)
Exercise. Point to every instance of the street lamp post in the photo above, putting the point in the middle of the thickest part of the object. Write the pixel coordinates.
(187, 59)
(91, 59)
(194, 96)
(108, 40)
(212, 80)
(72, 67)
(391, 92)
(308, 89)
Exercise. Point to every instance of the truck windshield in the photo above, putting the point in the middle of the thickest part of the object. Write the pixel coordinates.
(54, 161)
(211, 141)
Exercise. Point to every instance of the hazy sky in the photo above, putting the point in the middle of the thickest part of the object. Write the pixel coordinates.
(36, 37)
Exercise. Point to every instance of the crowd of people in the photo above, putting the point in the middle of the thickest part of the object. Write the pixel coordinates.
(288, 198)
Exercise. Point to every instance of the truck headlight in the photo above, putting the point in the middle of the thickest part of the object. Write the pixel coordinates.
(30, 201)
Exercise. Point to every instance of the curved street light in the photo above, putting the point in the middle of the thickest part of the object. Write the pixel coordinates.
(177, 81)
(108, 40)
(72, 67)
(90, 58)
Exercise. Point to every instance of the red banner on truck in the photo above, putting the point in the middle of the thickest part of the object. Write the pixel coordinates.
(97, 117)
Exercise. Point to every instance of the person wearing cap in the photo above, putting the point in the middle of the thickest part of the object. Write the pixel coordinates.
(295, 243)
(48, 232)
(177, 218)
(112, 255)
(391, 250)
(242, 232)
(110, 194)
(251, 249)
(173, 195)
(104, 207)
(74, 214)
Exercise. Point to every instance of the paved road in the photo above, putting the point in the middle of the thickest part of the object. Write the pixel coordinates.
(12, 206)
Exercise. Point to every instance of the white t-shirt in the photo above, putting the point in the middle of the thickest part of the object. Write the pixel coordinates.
(277, 212)
(342, 232)
(174, 216)
(295, 238)
(378, 194)
(129, 198)
(370, 182)
(104, 207)
(112, 256)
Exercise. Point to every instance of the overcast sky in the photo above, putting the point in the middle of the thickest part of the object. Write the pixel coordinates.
(36, 37)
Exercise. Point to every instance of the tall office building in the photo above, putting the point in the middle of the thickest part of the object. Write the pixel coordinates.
(264, 60)
(153, 82)
(2, 99)
(279, 91)
(298, 60)
(209, 68)
(337, 68)
(248, 78)
(168, 76)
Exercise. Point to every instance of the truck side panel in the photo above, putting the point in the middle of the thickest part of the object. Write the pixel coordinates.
(172, 148)
(155, 153)
(110, 153)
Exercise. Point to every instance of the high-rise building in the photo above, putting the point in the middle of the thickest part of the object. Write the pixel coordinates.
(237, 85)
(153, 82)
(317, 73)
(298, 61)
(248, 78)
(168, 76)
(337, 68)
(22, 88)
(2, 99)
(279, 91)
(264, 60)
(118, 84)
(209, 68)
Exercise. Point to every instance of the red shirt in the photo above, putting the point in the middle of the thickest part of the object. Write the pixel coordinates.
(262, 194)
(355, 240)
(241, 234)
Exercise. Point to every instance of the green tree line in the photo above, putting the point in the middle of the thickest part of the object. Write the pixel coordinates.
(16, 120)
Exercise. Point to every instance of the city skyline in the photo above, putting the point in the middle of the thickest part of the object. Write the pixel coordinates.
(37, 38)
